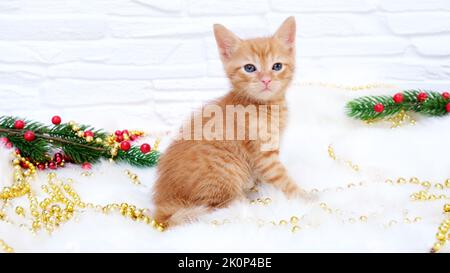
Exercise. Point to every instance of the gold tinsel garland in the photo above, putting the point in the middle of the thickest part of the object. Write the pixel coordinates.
(61, 204)
(422, 195)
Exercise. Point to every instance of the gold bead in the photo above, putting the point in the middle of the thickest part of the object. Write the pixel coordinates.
(401, 180)
(160, 228)
(414, 180)
(36, 224)
(436, 247)
(283, 222)
(71, 123)
(294, 220)
(9, 249)
(76, 128)
(447, 208)
(295, 229)
(267, 201)
(323, 205)
(89, 139)
(439, 186)
(20, 211)
(440, 236)
(447, 183)
(443, 229)
(426, 184)
(98, 140)
(363, 218)
(79, 133)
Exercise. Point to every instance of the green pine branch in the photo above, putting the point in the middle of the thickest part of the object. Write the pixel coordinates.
(63, 137)
(363, 107)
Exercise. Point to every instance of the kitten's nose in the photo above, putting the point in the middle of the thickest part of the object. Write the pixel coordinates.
(266, 80)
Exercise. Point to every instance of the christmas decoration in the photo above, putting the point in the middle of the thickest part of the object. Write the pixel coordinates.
(62, 204)
(125, 146)
(377, 107)
(398, 98)
(19, 124)
(422, 195)
(145, 148)
(56, 120)
(71, 142)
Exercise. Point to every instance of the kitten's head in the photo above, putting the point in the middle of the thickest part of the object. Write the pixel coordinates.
(259, 68)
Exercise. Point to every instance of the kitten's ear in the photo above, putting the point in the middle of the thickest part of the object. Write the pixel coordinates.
(226, 41)
(286, 32)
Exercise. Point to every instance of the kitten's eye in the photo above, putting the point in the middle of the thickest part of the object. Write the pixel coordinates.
(277, 66)
(249, 68)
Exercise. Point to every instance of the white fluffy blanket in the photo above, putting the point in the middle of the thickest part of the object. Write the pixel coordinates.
(390, 221)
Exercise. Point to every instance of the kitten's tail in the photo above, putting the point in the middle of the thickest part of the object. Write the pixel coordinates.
(176, 215)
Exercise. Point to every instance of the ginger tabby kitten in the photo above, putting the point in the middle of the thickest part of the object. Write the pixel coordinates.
(196, 176)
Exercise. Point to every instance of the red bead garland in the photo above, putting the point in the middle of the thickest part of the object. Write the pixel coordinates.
(29, 136)
(19, 124)
(379, 107)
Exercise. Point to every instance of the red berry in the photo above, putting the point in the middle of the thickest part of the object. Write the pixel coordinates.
(88, 133)
(52, 165)
(9, 145)
(4, 140)
(398, 98)
(125, 146)
(145, 148)
(447, 107)
(56, 120)
(125, 132)
(446, 95)
(24, 165)
(133, 137)
(19, 124)
(41, 166)
(379, 107)
(58, 160)
(86, 166)
(422, 96)
(119, 138)
(118, 133)
(29, 136)
(66, 158)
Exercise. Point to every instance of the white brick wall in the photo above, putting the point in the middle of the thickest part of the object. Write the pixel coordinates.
(155, 58)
